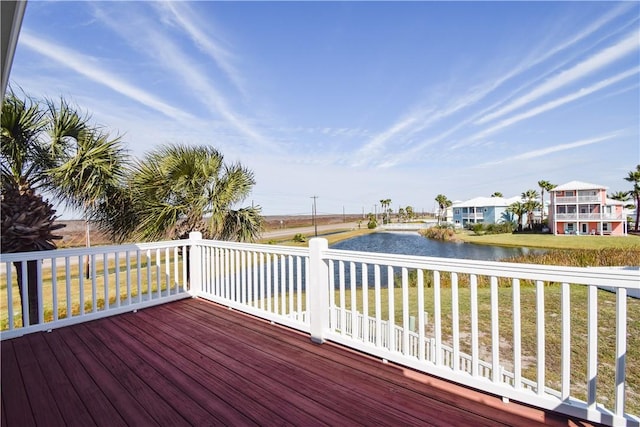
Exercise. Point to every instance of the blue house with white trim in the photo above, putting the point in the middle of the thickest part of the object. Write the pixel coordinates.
(485, 210)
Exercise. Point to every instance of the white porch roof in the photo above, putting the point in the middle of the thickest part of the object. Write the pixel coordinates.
(579, 185)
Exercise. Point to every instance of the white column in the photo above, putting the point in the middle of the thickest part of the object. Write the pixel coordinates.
(318, 288)
(195, 263)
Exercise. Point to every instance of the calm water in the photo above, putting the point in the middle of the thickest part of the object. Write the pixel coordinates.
(406, 243)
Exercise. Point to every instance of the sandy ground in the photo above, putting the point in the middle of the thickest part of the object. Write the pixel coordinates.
(74, 234)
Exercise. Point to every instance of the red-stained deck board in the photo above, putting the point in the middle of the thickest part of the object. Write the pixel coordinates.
(349, 366)
(47, 412)
(57, 371)
(296, 364)
(178, 390)
(224, 386)
(15, 401)
(76, 379)
(94, 376)
(193, 362)
(301, 385)
(271, 381)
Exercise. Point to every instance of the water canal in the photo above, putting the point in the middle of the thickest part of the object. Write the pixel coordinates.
(409, 243)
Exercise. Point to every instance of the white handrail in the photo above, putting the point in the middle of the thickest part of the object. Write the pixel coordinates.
(119, 279)
(371, 302)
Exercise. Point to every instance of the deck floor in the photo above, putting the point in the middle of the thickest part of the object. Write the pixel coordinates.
(194, 362)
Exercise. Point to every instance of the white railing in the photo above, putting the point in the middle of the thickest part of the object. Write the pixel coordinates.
(536, 334)
(265, 280)
(78, 285)
(588, 217)
(514, 330)
(578, 199)
(479, 215)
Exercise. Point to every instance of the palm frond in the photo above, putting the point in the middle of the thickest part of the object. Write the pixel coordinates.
(98, 164)
(22, 123)
(180, 188)
(242, 225)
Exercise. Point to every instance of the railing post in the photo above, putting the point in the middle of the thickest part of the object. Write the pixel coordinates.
(195, 264)
(318, 290)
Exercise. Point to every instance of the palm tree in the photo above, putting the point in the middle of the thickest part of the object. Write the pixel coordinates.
(496, 194)
(518, 209)
(49, 148)
(410, 212)
(401, 214)
(634, 177)
(531, 204)
(443, 204)
(622, 196)
(544, 185)
(177, 189)
(385, 203)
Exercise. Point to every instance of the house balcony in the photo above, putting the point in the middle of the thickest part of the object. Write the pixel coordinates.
(588, 217)
(577, 199)
(475, 216)
(261, 334)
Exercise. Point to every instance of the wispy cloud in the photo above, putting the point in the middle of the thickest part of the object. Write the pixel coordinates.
(202, 87)
(88, 67)
(184, 16)
(155, 44)
(420, 120)
(603, 58)
(413, 124)
(374, 146)
(556, 103)
(548, 150)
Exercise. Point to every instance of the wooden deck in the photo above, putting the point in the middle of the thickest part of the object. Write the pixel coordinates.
(193, 362)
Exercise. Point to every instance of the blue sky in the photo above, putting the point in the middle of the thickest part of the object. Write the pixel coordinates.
(356, 101)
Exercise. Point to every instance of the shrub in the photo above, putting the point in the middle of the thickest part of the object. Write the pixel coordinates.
(503, 228)
(440, 232)
(609, 257)
(372, 224)
(478, 228)
(300, 238)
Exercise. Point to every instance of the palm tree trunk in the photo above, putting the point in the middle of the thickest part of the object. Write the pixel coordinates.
(32, 290)
(637, 210)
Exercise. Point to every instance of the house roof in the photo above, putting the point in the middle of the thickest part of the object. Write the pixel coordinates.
(579, 185)
(614, 202)
(487, 201)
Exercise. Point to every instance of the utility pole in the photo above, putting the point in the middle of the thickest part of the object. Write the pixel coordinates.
(313, 213)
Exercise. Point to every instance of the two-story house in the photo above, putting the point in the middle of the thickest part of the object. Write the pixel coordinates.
(582, 208)
(486, 210)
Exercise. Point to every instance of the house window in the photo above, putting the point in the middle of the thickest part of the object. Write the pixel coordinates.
(568, 194)
(569, 228)
(456, 211)
(605, 226)
(485, 209)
